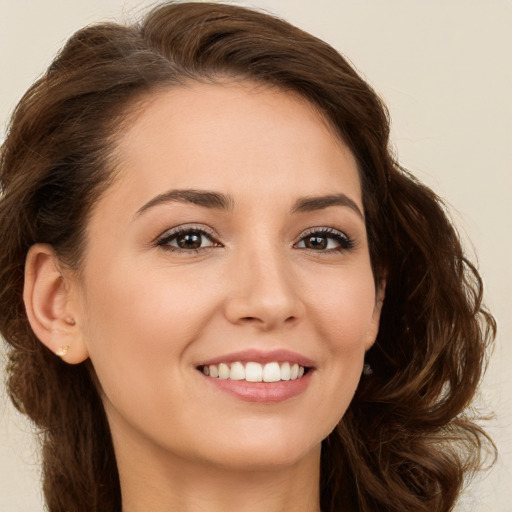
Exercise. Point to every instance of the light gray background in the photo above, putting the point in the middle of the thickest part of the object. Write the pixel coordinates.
(444, 69)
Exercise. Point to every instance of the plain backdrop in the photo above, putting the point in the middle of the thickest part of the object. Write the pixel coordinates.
(444, 68)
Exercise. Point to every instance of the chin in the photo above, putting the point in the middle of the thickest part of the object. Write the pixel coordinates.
(266, 459)
(269, 452)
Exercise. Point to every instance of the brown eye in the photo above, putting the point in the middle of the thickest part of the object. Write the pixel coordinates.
(316, 242)
(325, 240)
(187, 240)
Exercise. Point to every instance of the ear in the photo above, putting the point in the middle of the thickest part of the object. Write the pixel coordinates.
(373, 330)
(52, 306)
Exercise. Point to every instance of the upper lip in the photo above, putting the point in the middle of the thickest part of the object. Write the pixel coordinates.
(261, 356)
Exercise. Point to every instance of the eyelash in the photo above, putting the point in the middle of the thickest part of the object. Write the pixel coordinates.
(344, 242)
(169, 236)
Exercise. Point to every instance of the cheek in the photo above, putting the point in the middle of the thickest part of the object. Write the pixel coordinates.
(133, 298)
(344, 309)
(137, 330)
(139, 319)
(345, 321)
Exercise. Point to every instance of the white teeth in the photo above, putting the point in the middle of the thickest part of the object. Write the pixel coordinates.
(285, 371)
(255, 372)
(271, 372)
(237, 371)
(223, 371)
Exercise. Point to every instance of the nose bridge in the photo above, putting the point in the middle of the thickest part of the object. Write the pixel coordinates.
(263, 289)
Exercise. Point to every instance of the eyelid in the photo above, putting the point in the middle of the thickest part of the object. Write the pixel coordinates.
(175, 231)
(345, 241)
(322, 229)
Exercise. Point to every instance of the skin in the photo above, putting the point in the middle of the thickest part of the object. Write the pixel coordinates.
(147, 316)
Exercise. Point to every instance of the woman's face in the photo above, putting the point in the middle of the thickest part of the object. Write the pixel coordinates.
(234, 233)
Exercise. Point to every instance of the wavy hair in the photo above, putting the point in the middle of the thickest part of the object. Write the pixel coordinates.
(407, 441)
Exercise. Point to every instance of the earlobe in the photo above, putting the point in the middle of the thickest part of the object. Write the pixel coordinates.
(51, 310)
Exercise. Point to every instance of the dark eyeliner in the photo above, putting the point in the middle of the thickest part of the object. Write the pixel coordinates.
(345, 242)
(164, 240)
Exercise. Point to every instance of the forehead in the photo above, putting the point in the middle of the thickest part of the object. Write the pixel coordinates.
(242, 138)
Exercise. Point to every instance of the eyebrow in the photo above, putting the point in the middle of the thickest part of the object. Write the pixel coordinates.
(219, 201)
(214, 200)
(313, 203)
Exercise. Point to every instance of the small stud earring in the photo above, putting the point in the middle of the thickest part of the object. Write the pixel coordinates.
(62, 351)
(367, 369)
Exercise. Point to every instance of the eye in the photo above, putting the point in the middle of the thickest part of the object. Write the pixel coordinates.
(325, 239)
(187, 239)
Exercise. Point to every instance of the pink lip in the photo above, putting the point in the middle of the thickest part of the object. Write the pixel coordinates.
(262, 357)
(262, 392)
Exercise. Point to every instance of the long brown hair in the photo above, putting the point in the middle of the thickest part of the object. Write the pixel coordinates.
(407, 441)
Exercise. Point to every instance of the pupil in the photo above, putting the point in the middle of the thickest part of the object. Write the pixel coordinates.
(316, 242)
(189, 241)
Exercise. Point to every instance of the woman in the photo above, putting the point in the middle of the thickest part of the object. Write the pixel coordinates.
(219, 289)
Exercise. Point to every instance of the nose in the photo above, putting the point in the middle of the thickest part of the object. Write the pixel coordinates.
(264, 291)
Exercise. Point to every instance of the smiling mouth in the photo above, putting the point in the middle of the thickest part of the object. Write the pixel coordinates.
(255, 372)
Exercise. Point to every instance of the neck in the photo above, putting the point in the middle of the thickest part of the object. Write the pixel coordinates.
(181, 485)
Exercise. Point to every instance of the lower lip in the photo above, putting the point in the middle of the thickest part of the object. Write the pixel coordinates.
(263, 392)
